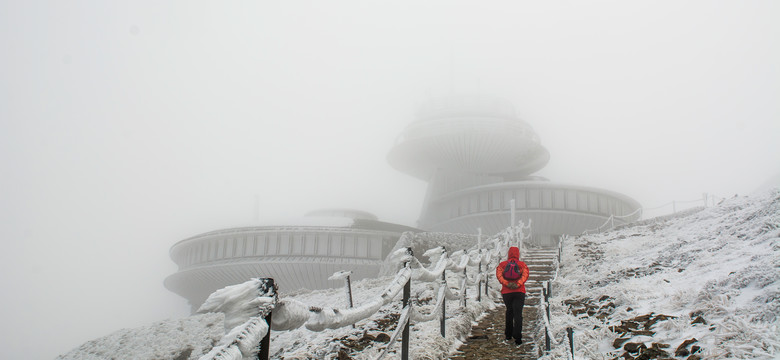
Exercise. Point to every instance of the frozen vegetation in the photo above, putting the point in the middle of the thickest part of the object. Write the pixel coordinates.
(702, 284)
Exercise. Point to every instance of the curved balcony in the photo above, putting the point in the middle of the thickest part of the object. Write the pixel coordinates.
(555, 209)
(297, 257)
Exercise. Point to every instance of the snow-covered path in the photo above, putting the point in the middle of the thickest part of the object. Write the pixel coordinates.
(487, 337)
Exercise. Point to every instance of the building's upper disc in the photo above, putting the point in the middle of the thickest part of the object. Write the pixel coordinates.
(472, 134)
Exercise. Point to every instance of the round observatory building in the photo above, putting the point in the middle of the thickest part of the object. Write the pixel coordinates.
(478, 158)
(301, 253)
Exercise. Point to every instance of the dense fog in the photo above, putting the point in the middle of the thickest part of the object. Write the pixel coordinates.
(125, 128)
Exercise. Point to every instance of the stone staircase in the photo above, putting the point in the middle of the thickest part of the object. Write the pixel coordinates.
(487, 338)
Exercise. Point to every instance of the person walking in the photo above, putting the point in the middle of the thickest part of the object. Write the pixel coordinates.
(512, 274)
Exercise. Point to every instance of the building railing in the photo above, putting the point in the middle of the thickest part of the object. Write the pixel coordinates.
(610, 222)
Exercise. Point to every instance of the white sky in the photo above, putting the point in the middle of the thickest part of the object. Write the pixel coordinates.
(126, 128)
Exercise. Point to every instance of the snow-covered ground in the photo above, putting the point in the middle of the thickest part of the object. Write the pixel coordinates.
(709, 275)
(714, 274)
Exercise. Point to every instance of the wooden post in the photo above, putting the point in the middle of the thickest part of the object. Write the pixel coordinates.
(570, 331)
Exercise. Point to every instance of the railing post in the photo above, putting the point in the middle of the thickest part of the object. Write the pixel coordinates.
(349, 295)
(479, 277)
(269, 288)
(407, 293)
(479, 273)
(547, 311)
(512, 221)
(465, 280)
(485, 278)
(443, 321)
(560, 246)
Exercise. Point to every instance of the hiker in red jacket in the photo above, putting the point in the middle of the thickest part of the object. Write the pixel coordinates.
(512, 274)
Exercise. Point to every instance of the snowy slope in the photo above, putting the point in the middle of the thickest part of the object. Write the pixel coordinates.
(715, 273)
(181, 339)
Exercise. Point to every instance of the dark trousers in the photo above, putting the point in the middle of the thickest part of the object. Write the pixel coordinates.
(514, 315)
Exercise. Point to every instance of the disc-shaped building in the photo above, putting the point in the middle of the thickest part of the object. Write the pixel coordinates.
(478, 157)
(299, 253)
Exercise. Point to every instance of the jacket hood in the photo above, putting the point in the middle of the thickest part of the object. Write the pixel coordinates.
(514, 253)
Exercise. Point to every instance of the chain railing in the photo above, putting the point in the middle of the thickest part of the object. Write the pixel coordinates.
(259, 298)
(544, 302)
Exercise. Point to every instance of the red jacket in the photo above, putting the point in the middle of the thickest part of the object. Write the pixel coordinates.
(514, 253)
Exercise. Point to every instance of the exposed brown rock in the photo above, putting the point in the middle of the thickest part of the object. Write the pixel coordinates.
(618, 343)
(634, 347)
(682, 350)
(382, 337)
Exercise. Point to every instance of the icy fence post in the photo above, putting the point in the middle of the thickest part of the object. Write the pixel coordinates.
(549, 290)
(347, 283)
(407, 292)
(443, 321)
(560, 247)
(570, 331)
(465, 280)
(522, 235)
(512, 221)
(349, 295)
(546, 294)
(268, 287)
(479, 277)
(479, 270)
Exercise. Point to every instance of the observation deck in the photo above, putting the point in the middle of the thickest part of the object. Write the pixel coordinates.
(475, 135)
